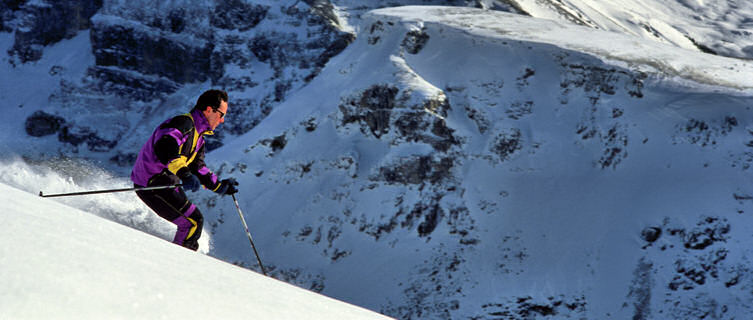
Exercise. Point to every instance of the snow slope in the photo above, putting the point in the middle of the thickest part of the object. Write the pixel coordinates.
(570, 146)
(717, 26)
(648, 56)
(62, 263)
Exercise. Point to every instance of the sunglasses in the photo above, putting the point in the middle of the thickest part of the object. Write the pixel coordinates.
(222, 114)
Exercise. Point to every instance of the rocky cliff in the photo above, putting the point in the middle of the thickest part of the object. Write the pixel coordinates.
(39, 23)
(146, 52)
(490, 172)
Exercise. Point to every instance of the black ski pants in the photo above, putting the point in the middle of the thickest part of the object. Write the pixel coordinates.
(173, 205)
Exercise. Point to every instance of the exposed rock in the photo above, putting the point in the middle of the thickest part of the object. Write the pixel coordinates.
(375, 32)
(597, 81)
(417, 170)
(245, 115)
(144, 52)
(76, 136)
(704, 133)
(11, 4)
(434, 291)
(9, 10)
(45, 22)
(530, 308)
(446, 139)
(520, 109)
(276, 144)
(702, 47)
(373, 107)
(337, 44)
(324, 10)
(415, 40)
(432, 215)
(134, 46)
(282, 50)
(615, 147)
(380, 108)
(651, 234)
(700, 266)
(603, 125)
(237, 14)
(133, 85)
(281, 88)
(41, 124)
(262, 47)
(176, 20)
(707, 232)
(507, 143)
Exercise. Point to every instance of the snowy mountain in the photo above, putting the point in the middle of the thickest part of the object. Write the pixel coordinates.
(444, 162)
(717, 27)
(510, 170)
(63, 263)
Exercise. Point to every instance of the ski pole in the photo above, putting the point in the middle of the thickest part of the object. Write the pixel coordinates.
(245, 226)
(106, 191)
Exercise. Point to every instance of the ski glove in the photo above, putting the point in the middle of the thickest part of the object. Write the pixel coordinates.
(190, 182)
(227, 187)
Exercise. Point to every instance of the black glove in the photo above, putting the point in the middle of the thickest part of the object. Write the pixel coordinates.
(190, 182)
(227, 187)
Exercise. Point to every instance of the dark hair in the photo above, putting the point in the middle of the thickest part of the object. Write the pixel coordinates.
(212, 98)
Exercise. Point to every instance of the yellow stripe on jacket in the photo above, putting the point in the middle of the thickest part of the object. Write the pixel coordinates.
(181, 162)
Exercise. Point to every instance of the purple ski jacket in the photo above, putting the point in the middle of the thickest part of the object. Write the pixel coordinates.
(175, 149)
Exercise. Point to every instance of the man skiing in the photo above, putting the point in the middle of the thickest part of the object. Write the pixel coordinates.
(175, 154)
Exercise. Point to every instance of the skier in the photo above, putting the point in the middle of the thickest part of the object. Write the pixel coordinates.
(175, 154)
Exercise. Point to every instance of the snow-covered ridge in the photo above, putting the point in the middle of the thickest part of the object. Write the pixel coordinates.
(715, 26)
(60, 262)
(619, 48)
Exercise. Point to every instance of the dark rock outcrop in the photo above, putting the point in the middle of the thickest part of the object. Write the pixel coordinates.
(8, 13)
(130, 45)
(373, 108)
(414, 41)
(46, 22)
(417, 170)
(129, 84)
(381, 109)
(145, 52)
(41, 124)
(236, 14)
(76, 136)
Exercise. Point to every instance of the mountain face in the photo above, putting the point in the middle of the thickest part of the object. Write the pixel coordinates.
(145, 52)
(441, 162)
(488, 171)
(37, 24)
